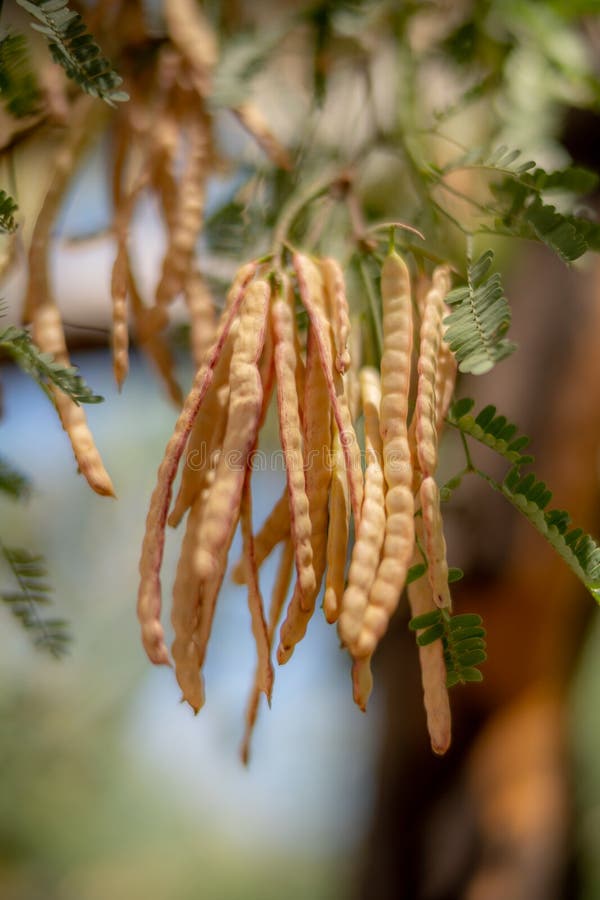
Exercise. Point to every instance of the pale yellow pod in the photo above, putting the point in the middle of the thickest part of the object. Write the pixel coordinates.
(429, 351)
(124, 208)
(149, 593)
(120, 330)
(165, 146)
(202, 453)
(264, 670)
(189, 215)
(184, 616)
(275, 528)
(206, 437)
(278, 597)
(446, 372)
(62, 166)
(152, 342)
(335, 290)
(337, 538)
(317, 463)
(266, 368)
(299, 349)
(366, 552)
(433, 668)
(201, 309)
(311, 293)
(291, 442)
(48, 334)
(209, 594)
(395, 385)
(362, 682)
(222, 505)
(352, 377)
(435, 544)
(317, 460)
(293, 627)
(190, 31)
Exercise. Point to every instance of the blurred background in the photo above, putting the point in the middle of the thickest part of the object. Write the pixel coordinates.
(109, 786)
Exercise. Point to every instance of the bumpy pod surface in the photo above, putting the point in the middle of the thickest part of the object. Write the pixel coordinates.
(395, 385)
(371, 531)
(48, 334)
(311, 293)
(222, 505)
(149, 593)
(435, 544)
(291, 440)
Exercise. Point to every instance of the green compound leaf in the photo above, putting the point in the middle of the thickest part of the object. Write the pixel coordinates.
(495, 431)
(29, 573)
(19, 91)
(44, 368)
(479, 319)
(578, 549)
(73, 48)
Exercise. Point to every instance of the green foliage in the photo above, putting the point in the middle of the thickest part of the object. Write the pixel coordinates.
(579, 550)
(19, 89)
(490, 429)
(527, 216)
(518, 208)
(7, 209)
(479, 319)
(529, 495)
(43, 368)
(29, 572)
(463, 639)
(12, 482)
(501, 159)
(74, 49)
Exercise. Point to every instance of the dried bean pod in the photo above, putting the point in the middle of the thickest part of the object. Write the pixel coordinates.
(222, 506)
(291, 442)
(317, 464)
(276, 528)
(337, 539)
(149, 593)
(371, 531)
(278, 597)
(433, 668)
(191, 33)
(311, 291)
(49, 336)
(435, 544)
(184, 615)
(335, 290)
(201, 309)
(427, 367)
(395, 384)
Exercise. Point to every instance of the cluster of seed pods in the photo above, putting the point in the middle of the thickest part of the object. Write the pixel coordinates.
(260, 354)
(162, 147)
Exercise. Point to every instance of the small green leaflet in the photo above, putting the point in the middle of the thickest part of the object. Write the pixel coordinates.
(495, 431)
(463, 640)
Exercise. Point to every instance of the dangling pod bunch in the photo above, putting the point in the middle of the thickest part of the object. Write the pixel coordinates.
(380, 479)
